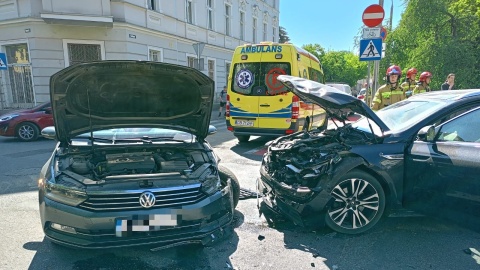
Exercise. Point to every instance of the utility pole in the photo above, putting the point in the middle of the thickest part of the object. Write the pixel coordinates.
(376, 65)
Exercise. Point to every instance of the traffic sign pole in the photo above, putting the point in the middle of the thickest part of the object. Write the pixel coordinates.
(376, 66)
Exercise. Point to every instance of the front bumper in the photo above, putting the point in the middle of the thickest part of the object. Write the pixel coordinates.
(303, 206)
(5, 130)
(196, 223)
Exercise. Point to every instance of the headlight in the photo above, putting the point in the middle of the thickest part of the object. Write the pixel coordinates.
(65, 190)
(8, 117)
(211, 184)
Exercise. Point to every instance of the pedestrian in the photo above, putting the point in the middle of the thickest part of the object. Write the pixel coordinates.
(423, 84)
(223, 101)
(449, 82)
(391, 92)
(410, 82)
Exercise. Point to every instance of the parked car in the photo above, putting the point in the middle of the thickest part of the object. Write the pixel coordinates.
(362, 94)
(347, 176)
(26, 124)
(132, 166)
(341, 86)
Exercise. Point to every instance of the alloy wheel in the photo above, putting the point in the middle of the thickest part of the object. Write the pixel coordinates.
(26, 132)
(356, 204)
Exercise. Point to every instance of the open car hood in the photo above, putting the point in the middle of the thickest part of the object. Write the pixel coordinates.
(332, 100)
(113, 94)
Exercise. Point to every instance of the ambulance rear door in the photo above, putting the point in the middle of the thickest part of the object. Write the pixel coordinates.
(275, 102)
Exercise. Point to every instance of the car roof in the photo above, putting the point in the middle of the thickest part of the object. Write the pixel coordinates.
(449, 95)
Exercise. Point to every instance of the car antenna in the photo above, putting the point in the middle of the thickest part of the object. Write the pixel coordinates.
(90, 120)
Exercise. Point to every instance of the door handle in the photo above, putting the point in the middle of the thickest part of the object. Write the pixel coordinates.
(426, 159)
(264, 105)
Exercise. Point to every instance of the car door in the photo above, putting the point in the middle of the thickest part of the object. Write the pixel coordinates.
(448, 167)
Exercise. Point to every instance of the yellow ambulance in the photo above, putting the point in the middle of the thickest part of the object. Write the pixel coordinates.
(258, 104)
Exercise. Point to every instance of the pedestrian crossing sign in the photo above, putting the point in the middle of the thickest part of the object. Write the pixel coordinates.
(370, 49)
(3, 61)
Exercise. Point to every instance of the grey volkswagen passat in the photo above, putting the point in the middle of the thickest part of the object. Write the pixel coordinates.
(132, 166)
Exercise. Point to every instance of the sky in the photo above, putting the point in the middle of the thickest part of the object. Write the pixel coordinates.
(331, 23)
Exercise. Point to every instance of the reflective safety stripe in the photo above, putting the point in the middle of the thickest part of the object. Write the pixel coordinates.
(377, 100)
(397, 92)
(386, 94)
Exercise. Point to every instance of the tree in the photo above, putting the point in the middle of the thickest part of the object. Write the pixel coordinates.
(338, 66)
(283, 35)
(315, 49)
(440, 36)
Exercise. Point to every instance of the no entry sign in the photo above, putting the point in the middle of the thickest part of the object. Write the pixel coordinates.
(373, 15)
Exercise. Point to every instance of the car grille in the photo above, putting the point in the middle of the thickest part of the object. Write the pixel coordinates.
(129, 200)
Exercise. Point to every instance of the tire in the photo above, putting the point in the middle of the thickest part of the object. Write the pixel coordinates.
(226, 174)
(27, 132)
(243, 138)
(340, 215)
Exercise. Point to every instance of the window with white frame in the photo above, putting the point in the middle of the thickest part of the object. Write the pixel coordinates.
(254, 30)
(211, 69)
(242, 25)
(81, 51)
(152, 4)
(264, 32)
(155, 54)
(227, 70)
(227, 19)
(210, 14)
(191, 60)
(274, 30)
(189, 11)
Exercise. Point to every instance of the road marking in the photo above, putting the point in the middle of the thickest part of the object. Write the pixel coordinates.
(259, 151)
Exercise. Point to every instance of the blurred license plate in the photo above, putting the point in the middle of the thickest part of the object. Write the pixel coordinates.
(145, 223)
(245, 123)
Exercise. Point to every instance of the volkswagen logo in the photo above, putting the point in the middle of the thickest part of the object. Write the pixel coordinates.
(147, 199)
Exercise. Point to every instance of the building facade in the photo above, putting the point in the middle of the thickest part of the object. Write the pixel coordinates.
(40, 37)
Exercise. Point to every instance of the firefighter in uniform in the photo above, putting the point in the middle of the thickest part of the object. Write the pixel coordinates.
(391, 92)
(423, 83)
(411, 82)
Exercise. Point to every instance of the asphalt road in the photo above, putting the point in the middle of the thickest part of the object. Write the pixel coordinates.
(405, 241)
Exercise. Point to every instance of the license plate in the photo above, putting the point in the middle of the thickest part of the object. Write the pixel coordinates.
(245, 123)
(145, 223)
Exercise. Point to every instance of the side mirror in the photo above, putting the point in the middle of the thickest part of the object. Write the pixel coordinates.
(48, 110)
(49, 133)
(211, 130)
(427, 134)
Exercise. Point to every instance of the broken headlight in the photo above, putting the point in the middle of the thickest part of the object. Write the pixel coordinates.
(211, 184)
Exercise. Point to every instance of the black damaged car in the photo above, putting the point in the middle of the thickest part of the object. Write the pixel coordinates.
(346, 175)
(132, 166)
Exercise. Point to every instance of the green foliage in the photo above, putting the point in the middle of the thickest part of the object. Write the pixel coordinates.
(339, 66)
(283, 35)
(440, 36)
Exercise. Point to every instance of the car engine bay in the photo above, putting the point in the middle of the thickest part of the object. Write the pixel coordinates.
(303, 158)
(102, 164)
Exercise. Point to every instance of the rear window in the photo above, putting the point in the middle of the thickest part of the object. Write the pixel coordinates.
(259, 79)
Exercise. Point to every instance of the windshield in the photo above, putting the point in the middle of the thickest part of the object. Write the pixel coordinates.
(401, 115)
(134, 135)
(259, 79)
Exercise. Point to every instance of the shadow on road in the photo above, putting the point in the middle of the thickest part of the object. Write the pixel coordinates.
(217, 256)
(253, 149)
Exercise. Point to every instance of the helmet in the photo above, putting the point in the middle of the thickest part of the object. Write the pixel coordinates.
(424, 76)
(411, 71)
(394, 70)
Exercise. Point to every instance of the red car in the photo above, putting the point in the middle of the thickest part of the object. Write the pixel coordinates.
(26, 124)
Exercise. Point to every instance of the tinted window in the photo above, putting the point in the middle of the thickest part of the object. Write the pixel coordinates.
(315, 75)
(466, 128)
(259, 78)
